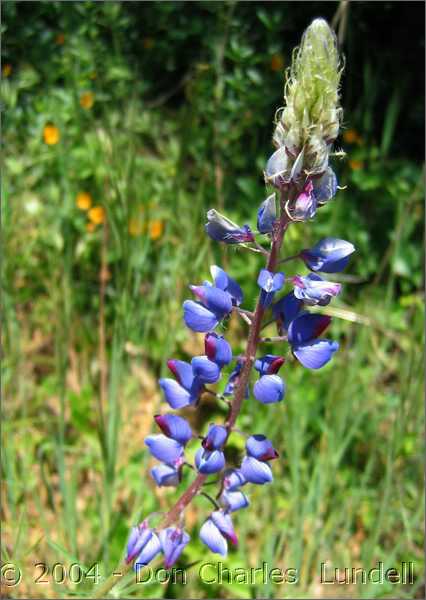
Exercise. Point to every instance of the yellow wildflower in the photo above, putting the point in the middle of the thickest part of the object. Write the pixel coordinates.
(277, 62)
(135, 227)
(156, 229)
(83, 200)
(60, 39)
(148, 43)
(51, 135)
(6, 70)
(97, 215)
(87, 100)
(356, 165)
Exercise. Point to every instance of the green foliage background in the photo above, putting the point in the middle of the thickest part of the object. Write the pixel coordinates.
(184, 95)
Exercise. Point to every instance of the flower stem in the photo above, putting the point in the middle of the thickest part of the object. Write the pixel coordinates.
(249, 357)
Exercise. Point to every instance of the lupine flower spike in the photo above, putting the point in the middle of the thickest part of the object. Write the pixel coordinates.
(302, 181)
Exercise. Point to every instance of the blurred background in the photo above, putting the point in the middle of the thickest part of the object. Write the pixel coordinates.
(123, 124)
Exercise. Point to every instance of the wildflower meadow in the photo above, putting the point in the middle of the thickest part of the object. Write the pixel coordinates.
(212, 293)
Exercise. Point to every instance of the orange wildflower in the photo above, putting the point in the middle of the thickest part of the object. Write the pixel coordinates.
(60, 39)
(97, 215)
(83, 200)
(351, 136)
(156, 229)
(51, 135)
(90, 227)
(277, 62)
(6, 70)
(87, 100)
(356, 165)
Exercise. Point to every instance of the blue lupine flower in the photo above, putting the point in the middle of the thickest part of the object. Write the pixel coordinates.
(205, 370)
(215, 438)
(269, 284)
(176, 395)
(223, 522)
(286, 309)
(222, 229)
(329, 255)
(217, 349)
(233, 479)
(208, 461)
(143, 545)
(256, 471)
(269, 364)
(173, 541)
(269, 389)
(182, 371)
(213, 298)
(302, 334)
(232, 501)
(307, 327)
(174, 427)
(233, 379)
(138, 538)
(312, 289)
(165, 449)
(213, 539)
(224, 282)
(150, 551)
(325, 187)
(199, 318)
(305, 205)
(267, 215)
(278, 170)
(166, 476)
(258, 446)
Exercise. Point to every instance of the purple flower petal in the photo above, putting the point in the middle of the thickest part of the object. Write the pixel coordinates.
(213, 298)
(205, 370)
(233, 501)
(173, 541)
(325, 187)
(267, 215)
(182, 371)
(258, 446)
(329, 255)
(269, 389)
(286, 309)
(314, 290)
(307, 327)
(199, 318)
(256, 471)
(222, 229)
(233, 479)
(277, 170)
(223, 522)
(269, 364)
(175, 394)
(215, 438)
(217, 349)
(148, 552)
(213, 539)
(315, 354)
(165, 449)
(174, 427)
(305, 205)
(138, 538)
(166, 476)
(224, 282)
(209, 462)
